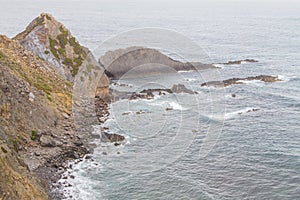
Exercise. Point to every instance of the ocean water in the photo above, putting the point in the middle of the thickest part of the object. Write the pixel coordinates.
(208, 146)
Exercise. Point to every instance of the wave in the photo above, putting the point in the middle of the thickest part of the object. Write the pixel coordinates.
(288, 78)
(184, 71)
(255, 82)
(167, 104)
(191, 79)
(221, 66)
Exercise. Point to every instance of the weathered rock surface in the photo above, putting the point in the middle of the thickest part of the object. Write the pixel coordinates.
(119, 62)
(233, 81)
(47, 141)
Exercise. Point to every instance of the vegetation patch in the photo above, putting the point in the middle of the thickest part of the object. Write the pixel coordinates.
(33, 135)
(48, 17)
(2, 56)
(49, 97)
(68, 61)
(62, 39)
(53, 49)
(16, 143)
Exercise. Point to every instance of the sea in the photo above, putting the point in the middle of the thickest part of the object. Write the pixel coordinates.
(238, 142)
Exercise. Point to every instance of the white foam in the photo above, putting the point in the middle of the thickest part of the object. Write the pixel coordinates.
(234, 114)
(255, 82)
(167, 104)
(219, 65)
(184, 71)
(176, 106)
(191, 79)
(285, 78)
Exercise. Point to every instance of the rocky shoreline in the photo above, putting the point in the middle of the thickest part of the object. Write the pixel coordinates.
(57, 166)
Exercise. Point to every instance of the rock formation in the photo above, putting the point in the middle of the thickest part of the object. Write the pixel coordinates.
(119, 62)
(53, 42)
(234, 81)
(149, 93)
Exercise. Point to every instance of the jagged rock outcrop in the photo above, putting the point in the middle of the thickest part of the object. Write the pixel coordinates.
(119, 62)
(234, 81)
(53, 42)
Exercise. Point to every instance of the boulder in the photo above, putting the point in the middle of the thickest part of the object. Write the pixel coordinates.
(47, 141)
(111, 137)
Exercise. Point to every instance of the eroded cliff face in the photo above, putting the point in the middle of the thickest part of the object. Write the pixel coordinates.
(32, 97)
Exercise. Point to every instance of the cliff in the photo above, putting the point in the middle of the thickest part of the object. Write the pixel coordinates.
(141, 61)
(37, 129)
(33, 98)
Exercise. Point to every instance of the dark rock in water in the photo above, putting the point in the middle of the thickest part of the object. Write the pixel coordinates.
(233, 95)
(127, 62)
(148, 93)
(238, 62)
(126, 113)
(180, 88)
(141, 112)
(117, 144)
(142, 95)
(167, 109)
(111, 137)
(234, 81)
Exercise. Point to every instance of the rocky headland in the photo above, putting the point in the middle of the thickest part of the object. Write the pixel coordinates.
(142, 61)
